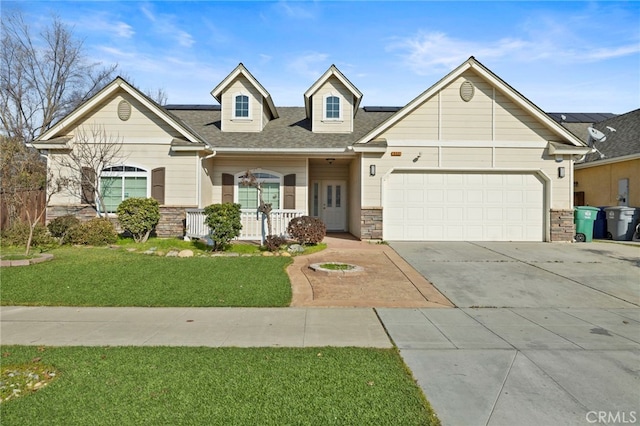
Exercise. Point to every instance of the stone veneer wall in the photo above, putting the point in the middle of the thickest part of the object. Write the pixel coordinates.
(371, 223)
(562, 227)
(172, 219)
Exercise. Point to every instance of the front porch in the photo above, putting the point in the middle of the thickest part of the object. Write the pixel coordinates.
(252, 223)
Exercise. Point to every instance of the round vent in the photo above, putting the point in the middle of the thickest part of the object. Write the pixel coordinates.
(466, 91)
(124, 110)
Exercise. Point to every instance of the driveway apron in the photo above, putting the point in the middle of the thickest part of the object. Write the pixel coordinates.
(544, 333)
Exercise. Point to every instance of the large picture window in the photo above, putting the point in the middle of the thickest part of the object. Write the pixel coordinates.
(248, 196)
(118, 183)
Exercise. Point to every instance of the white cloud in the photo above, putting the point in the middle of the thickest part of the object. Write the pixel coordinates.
(164, 25)
(297, 10)
(310, 64)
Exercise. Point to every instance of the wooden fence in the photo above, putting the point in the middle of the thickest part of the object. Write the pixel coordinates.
(34, 204)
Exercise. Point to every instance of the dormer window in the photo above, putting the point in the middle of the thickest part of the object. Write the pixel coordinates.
(332, 108)
(242, 106)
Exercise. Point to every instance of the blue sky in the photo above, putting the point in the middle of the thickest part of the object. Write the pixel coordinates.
(568, 56)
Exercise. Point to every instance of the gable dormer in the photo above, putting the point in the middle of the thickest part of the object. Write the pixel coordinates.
(246, 105)
(331, 103)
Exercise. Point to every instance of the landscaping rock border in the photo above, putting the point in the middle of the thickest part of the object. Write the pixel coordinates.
(42, 257)
(355, 269)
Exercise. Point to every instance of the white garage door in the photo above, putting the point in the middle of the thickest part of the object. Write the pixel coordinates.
(423, 206)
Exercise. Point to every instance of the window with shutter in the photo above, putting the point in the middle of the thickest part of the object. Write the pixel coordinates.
(228, 183)
(87, 180)
(290, 192)
(157, 184)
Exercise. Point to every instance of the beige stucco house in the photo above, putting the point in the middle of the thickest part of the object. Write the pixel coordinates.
(470, 158)
(611, 175)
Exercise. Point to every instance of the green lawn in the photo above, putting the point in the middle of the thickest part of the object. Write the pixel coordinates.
(221, 386)
(116, 277)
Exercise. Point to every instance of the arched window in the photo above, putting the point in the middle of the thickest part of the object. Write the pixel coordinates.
(242, 106)
(118, 183)
(247, 196)
(332, 107)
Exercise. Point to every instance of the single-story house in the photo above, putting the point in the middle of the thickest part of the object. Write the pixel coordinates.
(470, 158)
(610, 176)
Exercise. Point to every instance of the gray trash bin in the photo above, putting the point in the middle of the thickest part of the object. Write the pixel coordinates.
(621, 222)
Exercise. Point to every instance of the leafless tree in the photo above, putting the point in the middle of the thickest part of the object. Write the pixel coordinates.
(23, 173)
(43, 75)
(93, 150)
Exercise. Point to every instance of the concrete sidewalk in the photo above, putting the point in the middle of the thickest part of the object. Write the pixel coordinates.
(522, 366)
(214, 327)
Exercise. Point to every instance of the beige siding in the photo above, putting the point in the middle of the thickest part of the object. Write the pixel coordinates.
(355, 197)
(332, 86)
(142, 127)
(488, 116)
(462, 120)
(283, 166)
(464, 157)
(255, 122)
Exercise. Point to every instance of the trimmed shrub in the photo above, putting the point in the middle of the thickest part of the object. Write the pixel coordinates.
(18, 234)
(61, 226)
(224, 222)
(139, 216)
(274, 242)
(94, 232)
(307, 229)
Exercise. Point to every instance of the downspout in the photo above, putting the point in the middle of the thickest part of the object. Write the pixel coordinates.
(199, 180)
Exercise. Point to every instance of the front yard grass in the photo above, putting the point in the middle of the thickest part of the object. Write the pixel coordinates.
(235, 386)
(80, 276)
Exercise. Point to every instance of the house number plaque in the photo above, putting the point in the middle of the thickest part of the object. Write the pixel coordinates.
(396, 153)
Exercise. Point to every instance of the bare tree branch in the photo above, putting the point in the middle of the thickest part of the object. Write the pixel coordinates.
(44, 76)
(93, 150)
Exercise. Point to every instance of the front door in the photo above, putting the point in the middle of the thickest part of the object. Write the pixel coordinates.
(329, 198)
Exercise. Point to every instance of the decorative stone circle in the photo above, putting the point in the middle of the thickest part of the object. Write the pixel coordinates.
(344, 269)
(42, 257)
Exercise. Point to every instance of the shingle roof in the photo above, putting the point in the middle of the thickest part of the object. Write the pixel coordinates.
(292, 130)
(625, 140)
(580, 117)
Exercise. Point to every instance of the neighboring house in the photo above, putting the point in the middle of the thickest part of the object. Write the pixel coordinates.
(610, 176)
(468, 159)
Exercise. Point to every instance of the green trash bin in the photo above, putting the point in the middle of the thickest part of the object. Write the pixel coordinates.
(584, 217)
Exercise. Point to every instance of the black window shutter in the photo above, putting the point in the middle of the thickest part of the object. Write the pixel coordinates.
(228, 182)
(88, 179)
(290, 192)
(157, 184)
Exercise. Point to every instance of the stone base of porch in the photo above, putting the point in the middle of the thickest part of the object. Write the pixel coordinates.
(562, 227)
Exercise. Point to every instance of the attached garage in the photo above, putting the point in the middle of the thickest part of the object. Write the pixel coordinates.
(463, 206)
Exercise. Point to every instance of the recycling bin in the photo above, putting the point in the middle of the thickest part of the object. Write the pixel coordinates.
(584, 217)
(600, 225)
(621, 222)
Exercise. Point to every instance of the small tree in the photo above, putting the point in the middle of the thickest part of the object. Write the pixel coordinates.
(224, 222)
(249, 179)
(93, 150)
(139, 216)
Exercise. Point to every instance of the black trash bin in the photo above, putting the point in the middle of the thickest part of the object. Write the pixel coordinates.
(600, 225)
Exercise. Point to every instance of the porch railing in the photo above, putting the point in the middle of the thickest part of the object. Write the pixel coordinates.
(252, 223)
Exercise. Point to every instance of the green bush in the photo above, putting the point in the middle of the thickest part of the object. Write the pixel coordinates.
(18, 234)
(224, 222)
(139, 216)
(95, 232)
(61, 226)
(274, 242)
(307, 229)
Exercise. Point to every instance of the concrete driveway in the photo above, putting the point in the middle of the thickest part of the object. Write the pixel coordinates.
(545, 333)
(529, 275)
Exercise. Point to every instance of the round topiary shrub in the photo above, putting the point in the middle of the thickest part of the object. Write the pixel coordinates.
(139, 216)
(61, 226)
(307, 229)
(225, 223)
(95, 232)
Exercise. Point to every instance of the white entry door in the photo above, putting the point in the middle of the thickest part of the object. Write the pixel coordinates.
(331, 197)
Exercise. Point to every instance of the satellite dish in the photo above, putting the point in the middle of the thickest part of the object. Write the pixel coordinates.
(596, 135)
(611, 129)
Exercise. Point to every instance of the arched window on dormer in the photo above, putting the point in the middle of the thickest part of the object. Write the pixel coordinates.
(332, 109)
(241, 109)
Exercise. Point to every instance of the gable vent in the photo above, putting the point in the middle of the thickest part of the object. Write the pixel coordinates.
(124, 110)
(466, 91)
